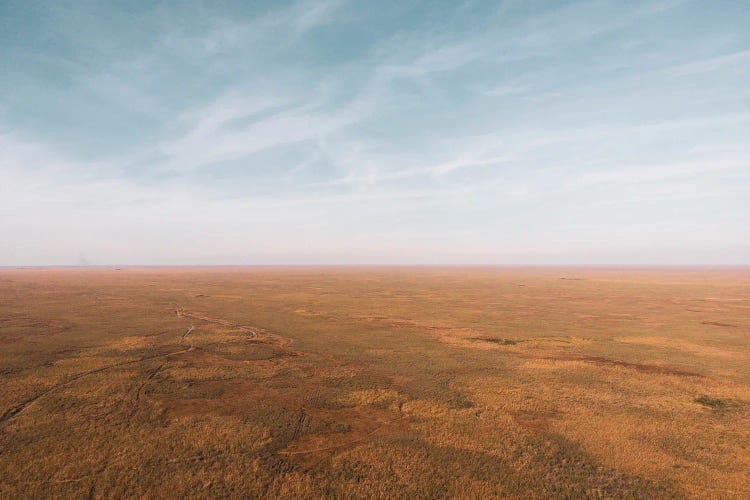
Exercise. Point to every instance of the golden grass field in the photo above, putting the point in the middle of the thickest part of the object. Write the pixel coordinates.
(375, 382)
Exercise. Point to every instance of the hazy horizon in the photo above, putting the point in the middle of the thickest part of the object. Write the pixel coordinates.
(426, 267)
(335, 132)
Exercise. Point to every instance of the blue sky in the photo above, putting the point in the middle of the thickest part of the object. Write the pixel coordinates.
(354, 132)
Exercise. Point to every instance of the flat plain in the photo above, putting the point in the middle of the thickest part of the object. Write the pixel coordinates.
(375, 382)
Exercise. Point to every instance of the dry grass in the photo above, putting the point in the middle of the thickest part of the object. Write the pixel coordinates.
(375, 383)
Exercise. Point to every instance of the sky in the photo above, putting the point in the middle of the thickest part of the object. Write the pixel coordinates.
(390, 132)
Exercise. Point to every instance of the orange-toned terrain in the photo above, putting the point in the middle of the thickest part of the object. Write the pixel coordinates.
(375, 382)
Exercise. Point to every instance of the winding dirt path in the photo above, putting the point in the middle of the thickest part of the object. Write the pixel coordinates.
(251, 332)
(17, 410)
(139, 392)
(247, 330)
(20, 408)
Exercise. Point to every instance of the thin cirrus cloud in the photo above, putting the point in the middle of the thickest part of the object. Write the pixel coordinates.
(354, 133)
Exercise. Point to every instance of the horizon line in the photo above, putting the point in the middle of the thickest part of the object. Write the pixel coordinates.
(381, 266)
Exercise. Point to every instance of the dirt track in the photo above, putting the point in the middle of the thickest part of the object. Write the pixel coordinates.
(17, 410)
(13, 412)
(249, 331)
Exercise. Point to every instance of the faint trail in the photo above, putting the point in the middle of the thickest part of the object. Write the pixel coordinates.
(300, 424)
(342, 445)
(14, 411)
(152, 463)
(188, 332)
(139, 391)
(247, 330)
(20, 408)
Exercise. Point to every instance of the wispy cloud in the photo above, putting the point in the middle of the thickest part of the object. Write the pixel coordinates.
(651, 173)
(384, 130)
(212, 138)
(739, 59)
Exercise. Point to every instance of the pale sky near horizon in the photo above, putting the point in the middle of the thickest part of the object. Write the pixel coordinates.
(357, 132)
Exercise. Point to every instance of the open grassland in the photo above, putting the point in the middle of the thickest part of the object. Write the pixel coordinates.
(375, 382)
